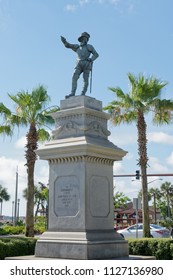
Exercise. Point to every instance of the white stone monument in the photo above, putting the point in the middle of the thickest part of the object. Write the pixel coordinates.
(80, 223)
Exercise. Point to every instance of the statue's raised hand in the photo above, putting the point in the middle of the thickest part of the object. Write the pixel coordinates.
(63, 39)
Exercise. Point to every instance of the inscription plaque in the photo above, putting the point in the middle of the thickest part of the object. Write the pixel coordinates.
(99, 196)
(66, 198)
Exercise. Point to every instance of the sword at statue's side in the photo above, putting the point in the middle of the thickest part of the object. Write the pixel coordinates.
(91, 77)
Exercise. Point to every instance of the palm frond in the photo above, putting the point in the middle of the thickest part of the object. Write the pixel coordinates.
(4, 110)
(21, 99)
(6, 130)
(145, 89)
(162, 111)
(40, 96)
(44, 119)
(162, 117)
(43, 135)
(119, 92)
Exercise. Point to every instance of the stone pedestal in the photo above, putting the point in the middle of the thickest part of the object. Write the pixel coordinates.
(80, 224)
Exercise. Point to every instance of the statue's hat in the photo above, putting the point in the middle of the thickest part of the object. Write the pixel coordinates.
(84, 34)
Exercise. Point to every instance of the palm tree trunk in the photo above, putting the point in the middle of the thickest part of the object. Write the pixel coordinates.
(145, 208)
(154, 197)
(37, 208)
(30, 204)
(142, 152)
(32, 139)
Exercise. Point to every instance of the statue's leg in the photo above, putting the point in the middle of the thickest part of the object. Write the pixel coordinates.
(85, 81)
(75, 77)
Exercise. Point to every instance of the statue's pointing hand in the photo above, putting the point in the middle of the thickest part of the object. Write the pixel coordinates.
(63, 39)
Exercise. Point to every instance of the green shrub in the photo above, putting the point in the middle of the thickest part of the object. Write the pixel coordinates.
(10, 247)
(171, 250)
(40, 225)
(6, 229)
(161, 248)
(2, 249)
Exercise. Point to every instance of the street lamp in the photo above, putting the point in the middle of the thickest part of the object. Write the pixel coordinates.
(12, 211)
(159, 179)
(148, 182)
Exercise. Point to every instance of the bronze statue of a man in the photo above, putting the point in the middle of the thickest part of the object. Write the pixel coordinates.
(86, 54)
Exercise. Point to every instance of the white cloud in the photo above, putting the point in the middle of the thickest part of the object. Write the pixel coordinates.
(126, 137)
(160, 137)
(42, 172)
(114, 2)
(131, 8)
(8, 170)
(83, 2)
(169, 159)
(118, 168)
(4, 14)
(71, 7)
(157, 167)
(21, 143)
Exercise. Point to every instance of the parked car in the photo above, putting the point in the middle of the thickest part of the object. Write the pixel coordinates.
(155, 230)
(171, 233)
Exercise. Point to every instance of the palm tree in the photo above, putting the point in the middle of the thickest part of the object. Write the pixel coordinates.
(167, 192)
(40, 197)
(3, 196)
(156, 194)
(143, 97)
(30, 112)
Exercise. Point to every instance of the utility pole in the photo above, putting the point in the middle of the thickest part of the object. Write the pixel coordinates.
(12, 212)
(18, 201)
(154, 197)
(15, 202)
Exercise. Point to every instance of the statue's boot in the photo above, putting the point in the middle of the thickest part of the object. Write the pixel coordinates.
(83, 93)
(70, 95)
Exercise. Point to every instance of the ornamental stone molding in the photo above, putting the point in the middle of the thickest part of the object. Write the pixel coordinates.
(89, 159)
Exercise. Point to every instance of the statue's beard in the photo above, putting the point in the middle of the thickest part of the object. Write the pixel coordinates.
(83, 43)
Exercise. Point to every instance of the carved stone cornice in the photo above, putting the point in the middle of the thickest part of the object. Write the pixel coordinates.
(73, 159)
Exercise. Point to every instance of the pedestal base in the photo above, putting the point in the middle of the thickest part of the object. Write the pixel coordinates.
(83, 246)
(80, 223)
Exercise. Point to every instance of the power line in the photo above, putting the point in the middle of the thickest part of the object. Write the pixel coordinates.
(148, 175)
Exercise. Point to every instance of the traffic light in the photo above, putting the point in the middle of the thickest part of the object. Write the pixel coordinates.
(137, 174)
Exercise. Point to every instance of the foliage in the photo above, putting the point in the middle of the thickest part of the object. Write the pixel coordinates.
(30, 112)
(41, 194)
(3, 196)
(143, 97)
(120, 200)
(161, 248)
(167, 193)
(20, 223)
(40, 225)
(168, 223)
(10, 247)
(162, 200)
(6, 229)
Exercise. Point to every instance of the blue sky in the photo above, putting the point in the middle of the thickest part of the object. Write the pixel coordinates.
(129, 35)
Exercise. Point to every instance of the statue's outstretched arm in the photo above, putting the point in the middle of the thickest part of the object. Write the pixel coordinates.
(68, 45)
